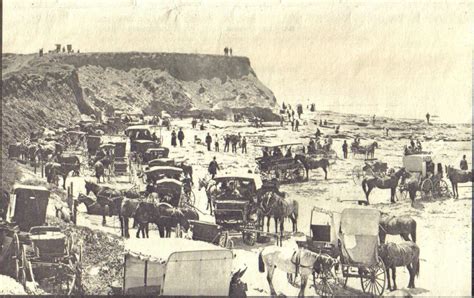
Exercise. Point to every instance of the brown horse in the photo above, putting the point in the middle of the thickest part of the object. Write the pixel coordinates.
(457, 176)
(390, 182)
(368, 151)
(110, 200)
(71, 161)
(53, 170)
(163, 215)
(395, 255)
(397, 225)
(312, 164)
(279, 207)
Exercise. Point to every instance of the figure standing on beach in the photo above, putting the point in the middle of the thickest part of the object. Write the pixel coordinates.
(344, 149)
(463, 164)
(428, 118)
(173, 138)
(226, 50)
(208, 141)
(180, 137)
(244, 145)
(226, 143)
(230, 51)
(213, 167)
(216, 144)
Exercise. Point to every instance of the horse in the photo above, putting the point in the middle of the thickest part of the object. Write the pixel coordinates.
(412, 185)
(72, 161)
(457, 176)
(4, 203)
(237, 287)
(210, 187)
(279, 207)
(99, 171)
(127, 211)
(312, 164)
(110, 200)
(397, 225)
(53, 169)
(292, 261)
(368, 151)
(63, 212)
(395, 255)
(390, 182)
(92, 206)
(163, 215)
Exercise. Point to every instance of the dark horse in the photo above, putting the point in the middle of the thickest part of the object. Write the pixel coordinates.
(457, 176)
(395, 255)
(72, 161)
(163, 215)
(390, 182)
(279, 207)
(4, 203)
(311, 164)
(110, 200)
(397, 225)
(53, 169)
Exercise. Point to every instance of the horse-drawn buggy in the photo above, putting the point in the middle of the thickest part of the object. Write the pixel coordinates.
(120, 160)
(179, 267)
(352, 238)
(423, 176)
(93, 144)
(372, 167)
(155, 153)
(171, 184)
(276, 165)
(368, 151)
(235, 199)
(34, 252)
(321, 151)
(141, 138)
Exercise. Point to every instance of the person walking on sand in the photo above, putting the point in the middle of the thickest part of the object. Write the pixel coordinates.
(344, 149)
(213, 167)
(297, 124)
(208, 141)
(180, 137)
(173, 138)
(244, 145)
(216, 144)
(463, 164)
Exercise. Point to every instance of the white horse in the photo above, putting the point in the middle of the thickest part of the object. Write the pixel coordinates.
(292, 261)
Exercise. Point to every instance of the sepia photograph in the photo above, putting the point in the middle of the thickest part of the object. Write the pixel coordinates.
(236, 148)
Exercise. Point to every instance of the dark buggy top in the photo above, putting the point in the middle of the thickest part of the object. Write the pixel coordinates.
(30, 206)
(156, 173)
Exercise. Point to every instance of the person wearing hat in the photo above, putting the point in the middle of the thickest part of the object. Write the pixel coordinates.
(463, 164)
(213, 167)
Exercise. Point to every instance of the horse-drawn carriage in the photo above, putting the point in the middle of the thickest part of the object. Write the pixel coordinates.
(170, 182)
(140, 147)
(34, 252)
(155, 153)
(351, 237)
(321, 151)
(141, 138)
(179, 267)
(93, 144)
(284, 167)
(236, 204)
(120, 160)
(372, 167)
(425, 177)
(368, 151)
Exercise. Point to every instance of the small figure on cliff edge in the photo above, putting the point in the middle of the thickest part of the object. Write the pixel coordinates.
(226, 51)
(428, 118)
(230, 51)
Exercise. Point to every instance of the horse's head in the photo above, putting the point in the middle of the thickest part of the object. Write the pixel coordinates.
(237, 287)
(375, 144)
(90, 186)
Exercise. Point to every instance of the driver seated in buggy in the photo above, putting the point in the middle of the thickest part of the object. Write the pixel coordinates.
(311, 147)
(277, 152)
(288, 153)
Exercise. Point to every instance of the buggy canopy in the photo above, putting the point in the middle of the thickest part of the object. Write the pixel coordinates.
(276, 144)
(256, 179)
(176, 266)
(29, 205)
(161, 162)
(137, 128)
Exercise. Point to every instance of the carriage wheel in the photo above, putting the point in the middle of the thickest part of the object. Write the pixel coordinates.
(373, 279)
(426, 189)
(249, 238)
(357, 175)
(322, 285)
(297, 174)
(191, 198)
(20, 267)
(442, 189)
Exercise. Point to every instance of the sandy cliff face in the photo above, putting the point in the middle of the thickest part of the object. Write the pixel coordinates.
(54, 89)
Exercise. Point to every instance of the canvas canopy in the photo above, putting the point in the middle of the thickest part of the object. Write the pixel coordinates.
(29, 205)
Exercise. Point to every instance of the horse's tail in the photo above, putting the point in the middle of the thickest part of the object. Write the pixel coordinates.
(295, 209)
(417, 267)
(413, 231)
(364, 186)
(261, 264)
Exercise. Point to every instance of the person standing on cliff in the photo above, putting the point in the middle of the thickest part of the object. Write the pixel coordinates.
(230, 51)
(428, 118)
(226, 50)
(208, 141)
(173, 138)
(180, 137)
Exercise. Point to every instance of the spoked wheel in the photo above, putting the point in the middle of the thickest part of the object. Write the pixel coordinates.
(191, 198)
(442, 189)
(324, 283)
(249, 238)
(21, 267)
(358, 175)
(373, 279)
(297, 174)
(426, 189)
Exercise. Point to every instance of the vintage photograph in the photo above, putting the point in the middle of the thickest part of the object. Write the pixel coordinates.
(236, 148)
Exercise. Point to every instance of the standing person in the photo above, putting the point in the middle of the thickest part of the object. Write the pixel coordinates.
(226, 143)
(234, 144)
(428, 118)
(239, 140)
(344, 149)
(226, 50)
(297, 124)
(208, 141)
(213, 167)
(463, 164)
(244, 145)
(373, 120)
(173, 138)
(230, 51)
(293, 114)
(293, 125)
(216, 144)
(180, 137)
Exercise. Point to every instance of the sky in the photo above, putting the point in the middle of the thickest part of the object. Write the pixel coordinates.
(389, 58)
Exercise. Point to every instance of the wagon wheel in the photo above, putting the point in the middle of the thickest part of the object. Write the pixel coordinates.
(358, 175)
(21, 264)
(442, 189)
(249, 238)
(191, 198)
(373, 279)
(297, 174)
(322, 284)
(426, 189)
